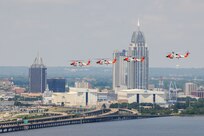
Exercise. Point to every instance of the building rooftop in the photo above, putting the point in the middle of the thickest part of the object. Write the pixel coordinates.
(138, 36)
(38, 63)
(141, 91)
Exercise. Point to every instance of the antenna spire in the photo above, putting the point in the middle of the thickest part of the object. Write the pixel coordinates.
(38, 58)
(138, 24)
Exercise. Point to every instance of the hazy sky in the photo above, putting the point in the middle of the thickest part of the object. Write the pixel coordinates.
(62, 30)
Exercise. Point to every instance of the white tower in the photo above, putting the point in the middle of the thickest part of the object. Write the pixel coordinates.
(138, 72)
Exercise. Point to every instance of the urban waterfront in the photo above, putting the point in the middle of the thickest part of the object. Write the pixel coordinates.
(101, 68)
(164, 126)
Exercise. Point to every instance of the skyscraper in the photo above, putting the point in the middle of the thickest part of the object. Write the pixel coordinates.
(132, 75)
(138, 71)
(37, 76)
(119, 70)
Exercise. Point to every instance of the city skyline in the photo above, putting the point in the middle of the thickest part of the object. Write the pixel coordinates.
(63, 30)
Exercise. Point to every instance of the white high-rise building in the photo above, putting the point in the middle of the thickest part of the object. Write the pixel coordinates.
(119, 70)
(132, 75)
(138, 72)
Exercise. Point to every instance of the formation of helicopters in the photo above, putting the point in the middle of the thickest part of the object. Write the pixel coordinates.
(177, 55)
(129, 59)
(81, 63)
(106, 61)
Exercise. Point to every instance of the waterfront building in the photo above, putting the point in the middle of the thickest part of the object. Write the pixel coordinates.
(37, 76)
(56, 84)
(64, 99)
(141, 96)
(79, 97)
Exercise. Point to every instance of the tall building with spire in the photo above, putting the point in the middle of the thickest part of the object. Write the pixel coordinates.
(37, 76)
(132, 75)
(138, 72)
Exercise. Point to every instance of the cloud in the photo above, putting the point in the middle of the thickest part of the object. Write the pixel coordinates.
(97, 28)
(191, 5)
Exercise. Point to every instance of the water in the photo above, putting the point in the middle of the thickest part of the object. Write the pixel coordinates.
(166, 126)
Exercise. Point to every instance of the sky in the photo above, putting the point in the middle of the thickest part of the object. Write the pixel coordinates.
(64, 30)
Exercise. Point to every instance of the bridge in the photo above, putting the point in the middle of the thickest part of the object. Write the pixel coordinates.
(100, 112)
(128, 111)
(88, 117)
(82, 120)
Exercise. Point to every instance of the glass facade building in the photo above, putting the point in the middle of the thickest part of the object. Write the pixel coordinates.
(56, 84)
(37, 76)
